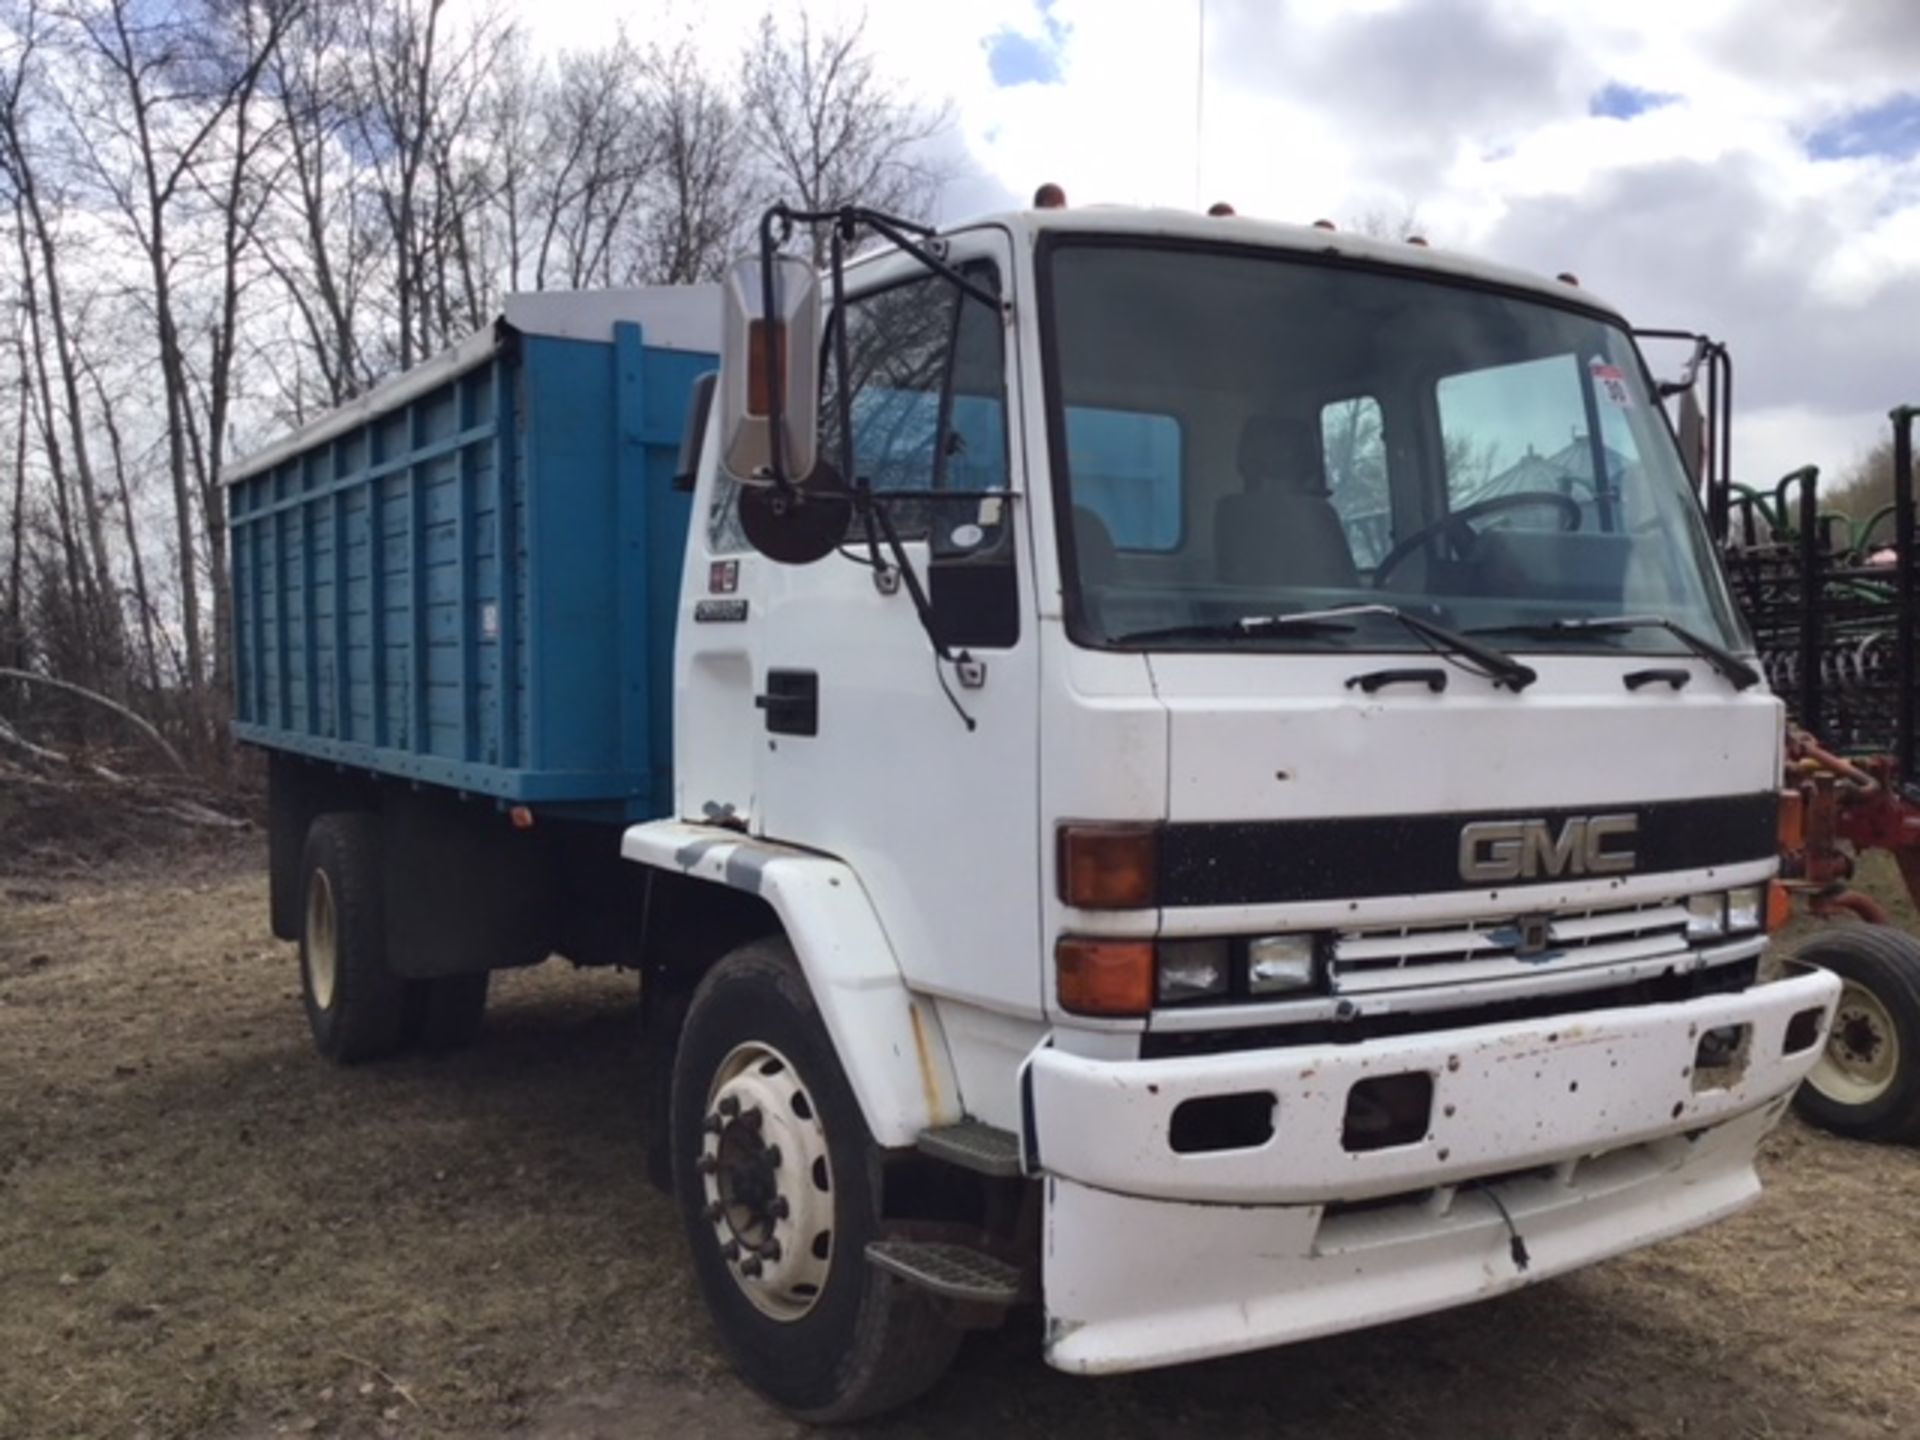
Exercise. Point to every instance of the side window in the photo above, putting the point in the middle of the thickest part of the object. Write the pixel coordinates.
(1126, 469)
(1353, 440)
(926, 373)
(1520, 429)
(926, 370)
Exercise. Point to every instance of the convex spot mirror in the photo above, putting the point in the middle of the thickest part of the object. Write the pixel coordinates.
(769, 359)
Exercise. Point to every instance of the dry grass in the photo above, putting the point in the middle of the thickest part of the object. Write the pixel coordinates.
(205, 1231)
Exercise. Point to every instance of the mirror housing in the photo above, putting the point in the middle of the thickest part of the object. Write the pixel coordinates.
(770, 359)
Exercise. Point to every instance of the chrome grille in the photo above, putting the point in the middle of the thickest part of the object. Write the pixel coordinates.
(1496, 947)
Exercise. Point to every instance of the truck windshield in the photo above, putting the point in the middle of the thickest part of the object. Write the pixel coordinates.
(1239, 433)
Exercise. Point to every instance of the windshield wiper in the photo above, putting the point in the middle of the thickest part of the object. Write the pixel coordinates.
(1495, 665)
(1738, 672)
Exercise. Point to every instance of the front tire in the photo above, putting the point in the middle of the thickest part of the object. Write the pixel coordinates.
(1866, 1083)
(778, 1179)
(355, 1004)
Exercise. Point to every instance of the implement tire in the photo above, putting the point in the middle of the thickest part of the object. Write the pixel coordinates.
(355, 1004)
(777, 1180)
(1866, 1084)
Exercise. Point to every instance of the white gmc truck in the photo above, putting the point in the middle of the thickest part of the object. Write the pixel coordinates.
(1215, 787)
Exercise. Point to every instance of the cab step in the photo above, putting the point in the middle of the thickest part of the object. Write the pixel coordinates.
(974, 1145)
(957, 1272)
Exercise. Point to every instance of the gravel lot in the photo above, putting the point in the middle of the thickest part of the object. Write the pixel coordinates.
(204, 1231)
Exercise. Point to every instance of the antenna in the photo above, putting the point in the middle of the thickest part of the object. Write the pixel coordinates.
(1199, 100)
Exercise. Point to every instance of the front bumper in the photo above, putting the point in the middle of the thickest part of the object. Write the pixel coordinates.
(1592, 1129)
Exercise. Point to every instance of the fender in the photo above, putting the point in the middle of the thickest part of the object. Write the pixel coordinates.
(889, 1041)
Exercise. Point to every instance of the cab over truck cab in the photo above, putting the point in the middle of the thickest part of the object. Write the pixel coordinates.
(1212, 783)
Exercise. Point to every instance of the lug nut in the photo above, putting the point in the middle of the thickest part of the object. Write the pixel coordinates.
(714, 1211)
(750, 1267)
(706, 1165)
(770, 1157)
(729, 1106)
(730, 1251)
(771, 1250)
(778, 1207)
(751, 1117)
(713, 1125)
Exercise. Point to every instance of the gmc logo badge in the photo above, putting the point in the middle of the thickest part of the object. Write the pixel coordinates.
(1492, 850)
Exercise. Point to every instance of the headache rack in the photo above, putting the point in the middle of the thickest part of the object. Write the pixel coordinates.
(1831, 603)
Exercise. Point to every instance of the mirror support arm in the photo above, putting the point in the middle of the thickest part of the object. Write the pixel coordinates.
(901, 232)
(775, 357)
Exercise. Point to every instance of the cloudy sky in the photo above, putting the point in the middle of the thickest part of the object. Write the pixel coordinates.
(1746, 167)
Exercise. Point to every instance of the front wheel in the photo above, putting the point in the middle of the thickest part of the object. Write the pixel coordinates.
(1866, 1083)
(777, 1179)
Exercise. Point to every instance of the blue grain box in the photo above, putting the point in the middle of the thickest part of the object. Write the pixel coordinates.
(468, 576)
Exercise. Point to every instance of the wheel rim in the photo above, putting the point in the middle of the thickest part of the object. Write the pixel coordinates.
(322, 947)
(767, 1181)
(1862, 1054)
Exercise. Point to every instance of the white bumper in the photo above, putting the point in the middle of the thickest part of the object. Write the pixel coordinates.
(1153, 1257)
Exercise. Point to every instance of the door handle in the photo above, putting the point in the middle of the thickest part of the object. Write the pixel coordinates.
(791, 702)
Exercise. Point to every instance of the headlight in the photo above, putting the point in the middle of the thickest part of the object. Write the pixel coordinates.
(1191, 970)
(1707, 916)
(1746, 909)
(1278, 963)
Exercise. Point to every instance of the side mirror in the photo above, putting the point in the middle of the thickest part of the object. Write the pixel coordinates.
(769, 365)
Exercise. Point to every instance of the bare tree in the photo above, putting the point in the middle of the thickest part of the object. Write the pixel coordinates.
(221, 216)
(13, 636)
(829, 129)
(1384, 223)
(170, 81)
(321, 249)
(700, 200)
(123, 483)
(417, 83)
(38, 250)
(596, 149)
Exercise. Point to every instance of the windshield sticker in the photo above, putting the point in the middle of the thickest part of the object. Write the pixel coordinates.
(1608, 381)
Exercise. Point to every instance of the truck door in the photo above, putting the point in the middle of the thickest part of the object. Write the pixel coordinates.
(866, 749)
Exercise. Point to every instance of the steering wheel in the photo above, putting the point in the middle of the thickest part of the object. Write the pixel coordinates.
(1458, 526)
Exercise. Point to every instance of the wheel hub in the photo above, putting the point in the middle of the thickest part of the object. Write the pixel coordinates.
(1862, 1056)
(767, 1181)
(322, 941)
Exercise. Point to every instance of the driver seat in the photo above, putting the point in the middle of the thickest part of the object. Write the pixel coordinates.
(1281, 529)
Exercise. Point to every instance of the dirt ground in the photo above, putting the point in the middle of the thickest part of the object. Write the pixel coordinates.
(205, 1231)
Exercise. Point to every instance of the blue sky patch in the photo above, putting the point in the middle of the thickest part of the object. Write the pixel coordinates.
(1016, 59)
(1614, 101)
(1890, 129)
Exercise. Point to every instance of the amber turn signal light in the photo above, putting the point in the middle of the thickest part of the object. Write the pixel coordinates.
(1109, 867)
(764, 336)
(1105, 977)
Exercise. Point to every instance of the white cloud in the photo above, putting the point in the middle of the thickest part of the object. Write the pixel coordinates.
(1707, 212)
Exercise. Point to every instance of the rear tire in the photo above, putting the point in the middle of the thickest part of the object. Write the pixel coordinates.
(445, 1013)
(773, 1162)
(1866, 1084)
(354, 1002)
